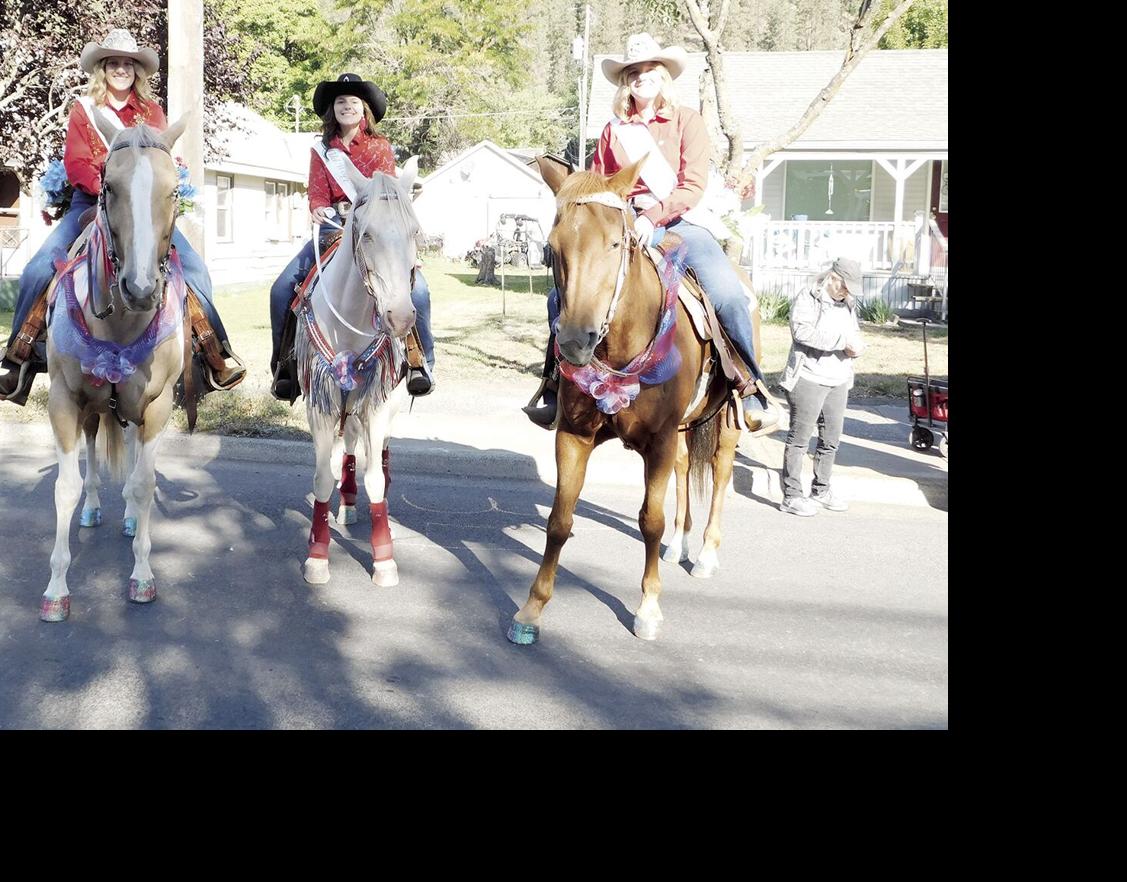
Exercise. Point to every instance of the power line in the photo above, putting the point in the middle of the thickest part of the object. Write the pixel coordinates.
(559, 112)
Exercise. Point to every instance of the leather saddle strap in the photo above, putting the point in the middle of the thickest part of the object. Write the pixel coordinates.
(189, 375)
(720, 342)
(36, 321)
(415, 355)
(205, 336)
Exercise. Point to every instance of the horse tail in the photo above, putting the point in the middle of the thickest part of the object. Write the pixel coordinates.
(111, 440)
(703, 441)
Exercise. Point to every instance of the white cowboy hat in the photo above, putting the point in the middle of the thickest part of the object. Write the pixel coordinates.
(118, 43)
(643, 47)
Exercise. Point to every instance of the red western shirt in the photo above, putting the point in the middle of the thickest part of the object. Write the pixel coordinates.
(369, 152)
(683, 140)
(85, 153)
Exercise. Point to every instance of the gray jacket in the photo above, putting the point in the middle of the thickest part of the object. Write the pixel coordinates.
(809, 336)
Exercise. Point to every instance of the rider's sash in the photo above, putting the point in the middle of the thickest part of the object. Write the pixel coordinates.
(334, 161)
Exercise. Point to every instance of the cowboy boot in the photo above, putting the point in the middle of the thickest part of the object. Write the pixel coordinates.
(546, 416)
(419, 378)
(220, 375)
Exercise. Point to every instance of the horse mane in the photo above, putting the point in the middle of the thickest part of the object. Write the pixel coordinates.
(584, 183)
(139, 137)
(385, 189)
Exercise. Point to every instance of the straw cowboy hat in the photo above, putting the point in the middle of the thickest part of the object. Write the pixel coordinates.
(328, 91)
(643, 47)
(118, 43)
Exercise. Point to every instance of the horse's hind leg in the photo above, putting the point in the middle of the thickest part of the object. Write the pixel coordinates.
(55, 605)
(659, 458)
(385, 572)
(129, 520)
(572, 454)
(678, 548)
(316, 566)
(92, 505)
(708, 561)
(346, 513)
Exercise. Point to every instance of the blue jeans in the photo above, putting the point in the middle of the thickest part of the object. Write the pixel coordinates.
(714, 271)
(37, 275)
(813, 405)
(282, 293)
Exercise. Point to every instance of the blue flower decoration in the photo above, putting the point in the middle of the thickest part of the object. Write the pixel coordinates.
(54, 182)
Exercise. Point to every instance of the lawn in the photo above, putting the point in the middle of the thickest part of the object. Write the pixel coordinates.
(484, 337)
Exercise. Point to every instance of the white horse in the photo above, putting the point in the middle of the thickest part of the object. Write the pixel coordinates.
(351, 358)
(115, 348)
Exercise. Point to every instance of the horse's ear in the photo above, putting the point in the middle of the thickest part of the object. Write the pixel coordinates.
(107, 130)
(170, 135)
(359, 180)
(408, 174)
(552, 172)
(623, 181)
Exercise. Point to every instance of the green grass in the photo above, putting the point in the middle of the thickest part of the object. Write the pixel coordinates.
(484, 339)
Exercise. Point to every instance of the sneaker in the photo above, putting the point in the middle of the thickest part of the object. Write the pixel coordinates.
(828, 501)
(799, 505)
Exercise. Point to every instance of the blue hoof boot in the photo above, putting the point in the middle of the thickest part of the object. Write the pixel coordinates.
(90, 517)
(523, 635)
(129, 527)
(142, 590)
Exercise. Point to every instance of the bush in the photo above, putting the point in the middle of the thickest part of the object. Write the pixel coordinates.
(774, 307)
(876, 311)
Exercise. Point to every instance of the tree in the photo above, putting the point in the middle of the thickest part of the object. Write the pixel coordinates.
(40, 76)
(924, 26)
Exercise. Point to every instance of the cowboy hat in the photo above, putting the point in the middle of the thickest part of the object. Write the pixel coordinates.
(119, 43)
(328, 91)
(643, 47)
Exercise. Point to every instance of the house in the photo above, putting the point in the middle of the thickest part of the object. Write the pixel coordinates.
(463, 201)
(862, 181)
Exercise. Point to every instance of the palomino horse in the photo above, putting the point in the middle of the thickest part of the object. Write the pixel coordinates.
(625, 338)
(115, 349)
(351, 353)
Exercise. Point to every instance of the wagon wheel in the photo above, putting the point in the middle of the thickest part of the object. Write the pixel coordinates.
(920, 438)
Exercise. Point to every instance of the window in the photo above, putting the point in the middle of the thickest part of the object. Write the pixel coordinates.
(224, 231)
(829, 191)
(277, 210)
(943, 189)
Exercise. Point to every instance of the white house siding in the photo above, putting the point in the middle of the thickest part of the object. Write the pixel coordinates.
(774, 192)
(463, 200)
(254, 251)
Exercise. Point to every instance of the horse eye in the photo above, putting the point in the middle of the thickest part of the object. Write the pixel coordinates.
(615, 244)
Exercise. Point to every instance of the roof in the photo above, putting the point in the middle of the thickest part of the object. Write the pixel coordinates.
(262, 149)
(486, 145)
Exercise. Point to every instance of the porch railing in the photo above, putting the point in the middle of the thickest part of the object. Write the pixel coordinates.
(811, 245)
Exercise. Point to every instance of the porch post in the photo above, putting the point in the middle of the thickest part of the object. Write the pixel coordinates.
(185, 94)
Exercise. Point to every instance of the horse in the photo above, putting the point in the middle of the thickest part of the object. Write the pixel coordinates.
(632, 367)
(350, 350)
(115, 349)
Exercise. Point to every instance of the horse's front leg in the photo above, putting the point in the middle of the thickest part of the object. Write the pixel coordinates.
(346, 512)
(316, 567)
(385, 572)
(129, 519)
(678, 548)
(659, 458)
(708, 561)
(572, 454)
(55, 605)
(140, 487)
(92, 505)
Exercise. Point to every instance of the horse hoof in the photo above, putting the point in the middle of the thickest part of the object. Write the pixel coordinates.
(673, 555)
(346, 514)
(54, 609)
(316, 571)
(129, 527)
(142, 590)
(385, 573)
(704, 570)
(523, 635)
(90, 517)
(646, 629)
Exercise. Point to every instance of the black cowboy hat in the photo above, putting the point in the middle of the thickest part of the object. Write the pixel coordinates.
(328, 91)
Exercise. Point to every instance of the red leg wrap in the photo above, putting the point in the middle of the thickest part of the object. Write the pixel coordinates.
(386, 469)
(319, 534)
(348, 480)
(381, 532)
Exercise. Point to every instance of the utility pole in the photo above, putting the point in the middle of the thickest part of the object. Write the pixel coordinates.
(579, 53)
(185, 95)
(295, 105)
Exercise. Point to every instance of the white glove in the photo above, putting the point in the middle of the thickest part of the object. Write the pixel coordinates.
(644, 229)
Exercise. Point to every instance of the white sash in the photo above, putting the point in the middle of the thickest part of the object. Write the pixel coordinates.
(638, 141)
(91, 108)
(334, 163)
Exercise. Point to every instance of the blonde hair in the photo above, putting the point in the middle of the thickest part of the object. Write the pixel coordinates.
(98, 89)
(623, 104)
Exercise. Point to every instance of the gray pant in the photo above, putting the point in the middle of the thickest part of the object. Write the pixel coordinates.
(813, 405)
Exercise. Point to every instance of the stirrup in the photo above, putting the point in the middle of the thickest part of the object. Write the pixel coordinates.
(419, 381)
(235, 375)
(546, 417)
(24, 380)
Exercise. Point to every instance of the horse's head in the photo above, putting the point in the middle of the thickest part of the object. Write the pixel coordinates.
(381, 228)
(591, 240)
(139, 203)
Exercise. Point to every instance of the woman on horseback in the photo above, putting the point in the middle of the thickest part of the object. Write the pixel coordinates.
(648, 121)
(349, 109)
(119, 91)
